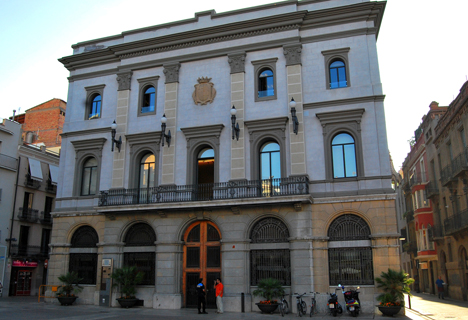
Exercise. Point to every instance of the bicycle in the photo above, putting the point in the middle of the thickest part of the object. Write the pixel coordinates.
(301, 305)
(313, 304)
(283, 305)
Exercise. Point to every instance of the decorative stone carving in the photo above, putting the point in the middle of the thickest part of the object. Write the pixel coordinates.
(237, 62)
(292, 53)
(124, 78)
(171, 71)
(204, 91)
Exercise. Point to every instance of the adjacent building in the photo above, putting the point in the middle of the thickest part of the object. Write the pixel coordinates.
(242, 145)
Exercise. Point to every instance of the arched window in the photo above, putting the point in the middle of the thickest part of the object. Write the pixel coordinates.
(338, 74)
(141, 235)
(350, 265)
(344, 156)
(205, 173)
(83, 260)
(89, 177)
(147, 166)
(149, 100)
(270, 161)
(95, 107)
(266, 85)
(269, 255)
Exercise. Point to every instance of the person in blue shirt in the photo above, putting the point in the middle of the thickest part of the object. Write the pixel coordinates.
(440, 287)
(201, 297)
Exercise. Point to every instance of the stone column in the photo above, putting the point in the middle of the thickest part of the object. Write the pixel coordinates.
(168, 275)
(123, 101)
(301, 263)
(292, 54)
(237, 64)
(171, 72)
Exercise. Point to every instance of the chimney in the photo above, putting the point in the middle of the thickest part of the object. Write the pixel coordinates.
(434, 105)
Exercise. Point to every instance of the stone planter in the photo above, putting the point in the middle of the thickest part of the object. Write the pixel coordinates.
(127, 303)
(267, 308)
(66, 301)
(390, 311)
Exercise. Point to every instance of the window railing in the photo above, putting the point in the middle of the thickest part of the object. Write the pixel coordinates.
(457, 222)
(30, 182)
(18, 250)
(432, 189)
(460, 163)
(8, 162)
(50, 187)
(437, 232)
(27, 214)
(45, 217)
(418, 178)
(446, 174)
(207, 192)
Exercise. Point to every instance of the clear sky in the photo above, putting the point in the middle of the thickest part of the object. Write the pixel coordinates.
(422, 47)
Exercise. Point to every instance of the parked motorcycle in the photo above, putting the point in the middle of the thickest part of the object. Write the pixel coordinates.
(353, 305)
(333, 306)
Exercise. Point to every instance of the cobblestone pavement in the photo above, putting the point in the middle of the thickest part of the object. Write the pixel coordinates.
(424, 307)
(429, 307)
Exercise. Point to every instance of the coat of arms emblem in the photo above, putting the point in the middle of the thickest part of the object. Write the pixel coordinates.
(204, 91)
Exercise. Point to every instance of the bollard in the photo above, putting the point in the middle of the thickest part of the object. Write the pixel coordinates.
(242, 302)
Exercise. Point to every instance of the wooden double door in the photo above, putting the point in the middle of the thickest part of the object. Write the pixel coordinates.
(202, 259)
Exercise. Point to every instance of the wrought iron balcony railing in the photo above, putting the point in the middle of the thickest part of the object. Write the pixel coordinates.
(30, 182)
(45, 218)
(27, 214)
(457, 222)
(50, 187)
(207, 192)
(29, 251)
(437, 232)
(460, 163)
(432, 189)
(8, 162)
(446, 175)
(418, 178)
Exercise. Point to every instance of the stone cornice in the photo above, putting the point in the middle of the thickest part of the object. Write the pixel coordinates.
(85, 132)
(341, 102)
(369, 11)
(203, 131)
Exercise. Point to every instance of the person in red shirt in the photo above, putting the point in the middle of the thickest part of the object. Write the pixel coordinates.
(219, 295)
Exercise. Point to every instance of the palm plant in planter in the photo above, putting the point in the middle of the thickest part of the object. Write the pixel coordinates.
(394, 284)
(268, 289)
(66, 294)
(127, 278)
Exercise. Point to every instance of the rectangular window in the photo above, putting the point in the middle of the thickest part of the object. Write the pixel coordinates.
(449, 146)
(462, 136)
(144, 262)
(270, 264)
(45, 242)
(85, 264)
(351, 266)
(23, 241)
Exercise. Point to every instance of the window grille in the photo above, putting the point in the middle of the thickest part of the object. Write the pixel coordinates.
(213, 257)
(270, 264)
(194, 235)
(269, 230)
(193, 257)
(140, 234)
(213, 234)
(348, 227)
(350, 266)
(85, 237)
(144, 262)
(85, 264)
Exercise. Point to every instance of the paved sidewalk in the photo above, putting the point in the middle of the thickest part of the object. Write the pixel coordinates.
(429, 307)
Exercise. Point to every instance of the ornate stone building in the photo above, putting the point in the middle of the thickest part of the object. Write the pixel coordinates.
(246, 144)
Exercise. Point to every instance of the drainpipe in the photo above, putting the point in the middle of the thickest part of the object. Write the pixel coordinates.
(14, 206)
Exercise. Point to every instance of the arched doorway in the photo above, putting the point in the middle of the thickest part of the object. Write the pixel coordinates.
(202, 259)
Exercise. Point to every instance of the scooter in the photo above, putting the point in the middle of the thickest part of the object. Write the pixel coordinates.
(333, 306)
(353, 305)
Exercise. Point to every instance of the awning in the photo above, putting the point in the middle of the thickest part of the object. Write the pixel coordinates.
(35, 168)
(54, 170)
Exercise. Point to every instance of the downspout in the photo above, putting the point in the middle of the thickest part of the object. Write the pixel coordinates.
(14, 206)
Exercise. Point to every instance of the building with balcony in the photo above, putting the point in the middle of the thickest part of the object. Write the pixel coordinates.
(421, 191)
(451, 219)
(246, 145)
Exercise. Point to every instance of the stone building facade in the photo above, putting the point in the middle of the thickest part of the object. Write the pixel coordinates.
(253, 145)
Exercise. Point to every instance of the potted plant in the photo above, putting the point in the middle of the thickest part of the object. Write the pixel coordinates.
(66, 294)
(394, 284)
(127, 278)
(268, 289)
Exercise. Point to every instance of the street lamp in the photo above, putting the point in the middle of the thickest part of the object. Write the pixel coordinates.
(292, 105)
(118, 143)
(163, 132)
(235, 126)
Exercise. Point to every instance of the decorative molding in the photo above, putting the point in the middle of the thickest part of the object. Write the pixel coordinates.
(335, 51)
(90, 144)
(124, 79)
(235, 210)
(237, 62)
(171, 71)
(341, 102)
(292, 53)
(85, 132)
(203, 132)
(298, 206)
(328, 118)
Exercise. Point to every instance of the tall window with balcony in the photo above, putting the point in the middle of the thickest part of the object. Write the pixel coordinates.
(270, 168)
(146, 179)
(205, 173)
(89, 177)
(83, 254)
